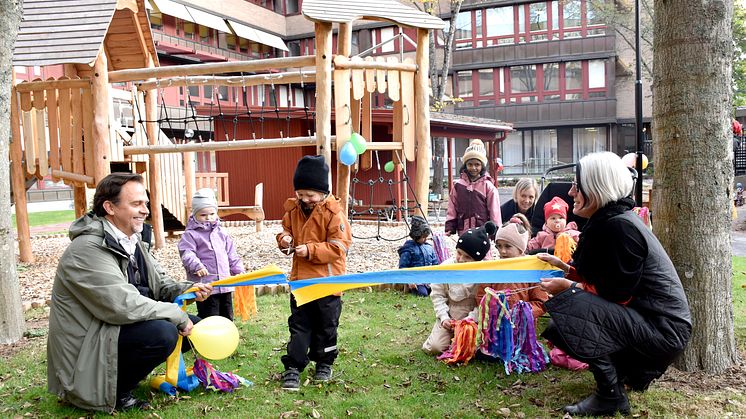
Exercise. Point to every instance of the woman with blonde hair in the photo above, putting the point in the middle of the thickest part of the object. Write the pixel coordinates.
(524, 197)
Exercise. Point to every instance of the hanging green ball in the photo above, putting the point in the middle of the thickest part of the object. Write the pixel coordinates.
(359, 143)
(389, 167)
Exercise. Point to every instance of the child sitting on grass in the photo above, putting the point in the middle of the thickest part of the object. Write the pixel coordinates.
(511, 242)
(456, 301)
(417, 252)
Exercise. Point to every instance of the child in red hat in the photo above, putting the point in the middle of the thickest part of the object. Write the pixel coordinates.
(555, 216)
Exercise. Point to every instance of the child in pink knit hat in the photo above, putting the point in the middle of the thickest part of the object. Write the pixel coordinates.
(555, 216)
(511, 242)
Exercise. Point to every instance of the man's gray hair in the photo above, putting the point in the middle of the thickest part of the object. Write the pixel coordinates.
(604, 178)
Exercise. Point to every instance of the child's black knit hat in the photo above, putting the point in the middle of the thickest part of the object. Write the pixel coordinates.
(476, 241)
(312, 173)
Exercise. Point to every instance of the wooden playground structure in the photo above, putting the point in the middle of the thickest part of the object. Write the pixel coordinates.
(66, 127)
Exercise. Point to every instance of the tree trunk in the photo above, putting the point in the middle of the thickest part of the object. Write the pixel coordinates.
(438, 83)
(439, 151)
(693, 170)
(12, 324)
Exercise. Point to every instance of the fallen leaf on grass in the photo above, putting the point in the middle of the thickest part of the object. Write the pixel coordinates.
(315, 413)
(504, 411)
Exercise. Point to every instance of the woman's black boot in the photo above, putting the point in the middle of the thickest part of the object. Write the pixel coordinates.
(609, 397)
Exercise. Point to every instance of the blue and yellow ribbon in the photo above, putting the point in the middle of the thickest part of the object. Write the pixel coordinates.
(526, 269)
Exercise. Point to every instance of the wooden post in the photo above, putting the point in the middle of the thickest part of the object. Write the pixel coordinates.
(100, 135)
(154, 169)
(422, 112)
(18, 180)
(189, 181)
(344, 48)
(80, 202)
(324, 91)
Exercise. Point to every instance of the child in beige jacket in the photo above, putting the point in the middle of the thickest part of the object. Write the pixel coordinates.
(457, 301)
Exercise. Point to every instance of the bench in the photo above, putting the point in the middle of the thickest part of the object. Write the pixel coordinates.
(219, 183)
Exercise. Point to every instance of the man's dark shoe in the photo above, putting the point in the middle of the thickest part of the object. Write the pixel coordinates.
(323, 372)
(291, 379)
(128, 402)
(601, 403)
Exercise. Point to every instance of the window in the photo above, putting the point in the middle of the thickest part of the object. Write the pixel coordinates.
(204, 34)
(188, 30)
(223, 93)
(463, 37)
(293, 48)
(500, 25)
(486, 86)
(244, 45)
(594, 17)
(587, 140)
(156, 20)
(207, 92)
(596, 74)
(538, 16)
(551, 82)
(571, 11)
(291, 7)
(193, 92)
(465, 89)
(387, 34)
(544, 150)
(230, 41)
(478, 32)
(573, 80)
(523, 79)
(511, 151)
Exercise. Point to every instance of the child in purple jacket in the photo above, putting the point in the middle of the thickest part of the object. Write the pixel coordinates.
(208, 254)
(473, 199)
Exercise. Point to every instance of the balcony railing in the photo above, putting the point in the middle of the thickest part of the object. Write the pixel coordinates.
(200, 47)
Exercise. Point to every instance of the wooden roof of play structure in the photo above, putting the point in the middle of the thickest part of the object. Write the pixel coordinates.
(344, 11)
(74, 31)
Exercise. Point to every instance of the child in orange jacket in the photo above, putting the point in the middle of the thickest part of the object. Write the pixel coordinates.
(316, 232)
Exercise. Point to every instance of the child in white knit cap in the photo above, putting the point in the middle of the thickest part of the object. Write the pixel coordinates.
(473, 199)
(208, 254)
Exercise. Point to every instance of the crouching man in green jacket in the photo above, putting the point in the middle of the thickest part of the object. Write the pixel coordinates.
(112, 321)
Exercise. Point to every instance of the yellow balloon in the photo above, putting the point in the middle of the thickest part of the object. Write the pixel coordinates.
(215, 337)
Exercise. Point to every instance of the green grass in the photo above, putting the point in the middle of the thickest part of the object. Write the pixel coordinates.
(381, 372)
(739, 299)
(47, 217)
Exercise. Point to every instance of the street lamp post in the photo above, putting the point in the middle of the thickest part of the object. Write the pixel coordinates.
(638, 106)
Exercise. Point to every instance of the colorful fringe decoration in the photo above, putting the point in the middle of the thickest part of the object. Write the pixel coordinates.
(564, 247)
(529, 355)
(213, 379)
(464, 343)
(244, 302)
(441, 249)
(496, 327)
(510, 336)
